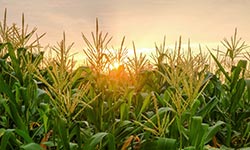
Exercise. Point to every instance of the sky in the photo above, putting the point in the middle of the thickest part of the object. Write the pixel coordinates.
(145, 22)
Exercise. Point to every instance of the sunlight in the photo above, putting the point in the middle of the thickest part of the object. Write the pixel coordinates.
(115, 65)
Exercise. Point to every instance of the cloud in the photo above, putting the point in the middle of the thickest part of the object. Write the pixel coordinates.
(145, 21)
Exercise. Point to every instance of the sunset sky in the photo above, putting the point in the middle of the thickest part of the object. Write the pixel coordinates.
(143, 21)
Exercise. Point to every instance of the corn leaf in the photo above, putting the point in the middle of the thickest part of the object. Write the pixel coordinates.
(213, 130)
(161, 144)
(145, 104)
(5, 138)
(239, 91)
(98, 138)
(248, 88)
(208, 107)
(63, 132)
(241, 66)
(31, 146)
(13, 109)
(220, 66)
(195, 129)
(24, 135)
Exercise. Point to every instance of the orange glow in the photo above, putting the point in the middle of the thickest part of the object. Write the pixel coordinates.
(115, 65)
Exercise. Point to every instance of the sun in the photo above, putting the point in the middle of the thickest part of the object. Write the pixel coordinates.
(114, 65)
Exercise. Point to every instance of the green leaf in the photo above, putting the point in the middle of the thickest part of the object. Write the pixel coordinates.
(98, 138)
(241, 66)
(2, 131)
(239, 91)
(247, 130)
(15, 62)
(161, 99)
(31, 146)
(213, 130)
(24, 135)
(6, 106)
(76, 131)
(220, 67)
(3, 64)
(189, 148)
(6, 89)
(73, 146)
(248, 88)
(123, 129)
(208, 107)
(228, 133)
(145, 104)
(195, 129)
(202, 136)
(63, 132)
(5, 138)
(160, 144)
(198, 131)
(124, 111)
(12, 104)
(195, 106)
(245, 148)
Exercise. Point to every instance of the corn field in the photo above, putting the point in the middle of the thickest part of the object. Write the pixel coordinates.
(175, 100)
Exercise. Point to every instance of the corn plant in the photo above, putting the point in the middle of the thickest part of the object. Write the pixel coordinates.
(234, 48)
(136, 67)
(46, 102)
(65, 91)
(233, 100)
(160, 58)
(186, 79)
(70, 95)
(105, 83)
(19, 89)
(97, 53)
